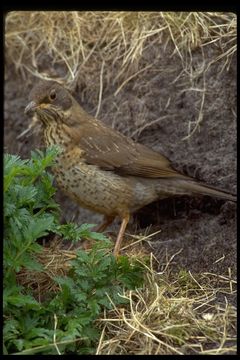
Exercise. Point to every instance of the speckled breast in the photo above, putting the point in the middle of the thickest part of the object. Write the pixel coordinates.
(98, 190)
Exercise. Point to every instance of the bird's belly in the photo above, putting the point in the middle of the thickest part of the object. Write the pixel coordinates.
(95, 189)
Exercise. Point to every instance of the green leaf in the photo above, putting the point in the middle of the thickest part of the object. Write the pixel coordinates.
(20, 300)
(94, 306)
(19, 343)
(38, 227)
(30, 213)
(65, 281)
(10, 329)
(31, 263)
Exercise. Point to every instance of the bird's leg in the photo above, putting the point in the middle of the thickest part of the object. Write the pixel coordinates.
(106, 222)
(124, 223)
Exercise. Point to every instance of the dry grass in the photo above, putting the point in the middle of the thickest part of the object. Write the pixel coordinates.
(175, 312)
(83, 40)
(55, 262)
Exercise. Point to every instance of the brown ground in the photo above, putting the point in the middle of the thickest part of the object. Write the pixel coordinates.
(204, 228)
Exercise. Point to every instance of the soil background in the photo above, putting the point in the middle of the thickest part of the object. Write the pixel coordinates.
(156, 108)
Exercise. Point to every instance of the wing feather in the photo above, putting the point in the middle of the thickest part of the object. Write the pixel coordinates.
(111, 150)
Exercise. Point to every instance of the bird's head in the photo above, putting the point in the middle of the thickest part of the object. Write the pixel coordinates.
(48, 99)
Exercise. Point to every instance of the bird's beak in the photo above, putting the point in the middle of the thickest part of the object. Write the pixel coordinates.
(30, 107)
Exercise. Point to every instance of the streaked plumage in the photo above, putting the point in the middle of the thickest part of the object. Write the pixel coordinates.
(102, 169)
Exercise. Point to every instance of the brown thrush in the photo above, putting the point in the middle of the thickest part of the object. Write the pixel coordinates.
(100, 168)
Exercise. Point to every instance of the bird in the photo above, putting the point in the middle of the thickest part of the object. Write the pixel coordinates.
(100, 168)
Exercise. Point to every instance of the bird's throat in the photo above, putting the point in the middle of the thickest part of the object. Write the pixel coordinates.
(54, 135)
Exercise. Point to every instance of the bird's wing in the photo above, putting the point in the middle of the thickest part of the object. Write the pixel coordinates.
(111, 150)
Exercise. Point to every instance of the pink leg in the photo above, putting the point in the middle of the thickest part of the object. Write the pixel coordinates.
(124, 223)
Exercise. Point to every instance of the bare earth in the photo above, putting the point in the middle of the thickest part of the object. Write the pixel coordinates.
(204, 228)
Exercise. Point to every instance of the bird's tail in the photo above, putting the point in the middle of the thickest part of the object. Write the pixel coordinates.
(191, 187)
(203, 189)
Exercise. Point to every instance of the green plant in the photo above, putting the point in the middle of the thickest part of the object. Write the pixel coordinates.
(64, 321)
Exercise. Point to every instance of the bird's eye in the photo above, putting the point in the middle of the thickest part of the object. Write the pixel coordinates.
(53, 95)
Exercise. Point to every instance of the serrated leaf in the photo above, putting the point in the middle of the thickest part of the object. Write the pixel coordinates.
(81, 297)
(85, 227)
(26, 194)
(39, 332)
(65, 281)
(19, 343)
(9, 208)
(93, 306)
(98, 236)
(30, 263)
(37, 228)
(10, 329)
(20, 300)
